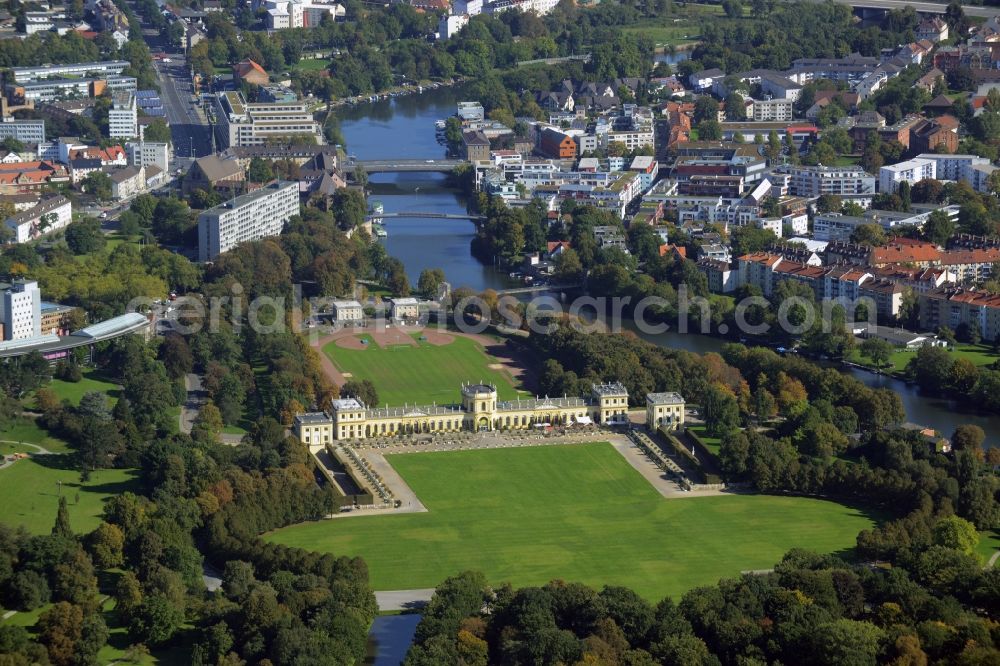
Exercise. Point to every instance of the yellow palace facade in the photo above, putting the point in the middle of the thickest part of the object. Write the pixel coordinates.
(480, 410)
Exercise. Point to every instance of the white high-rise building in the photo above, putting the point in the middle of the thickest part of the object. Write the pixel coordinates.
(147, 153)
(248, 217)
(911, 171)
(123, 119)
(21, 311)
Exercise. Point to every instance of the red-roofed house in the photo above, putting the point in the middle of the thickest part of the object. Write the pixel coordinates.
(249, 71)
(555, 248)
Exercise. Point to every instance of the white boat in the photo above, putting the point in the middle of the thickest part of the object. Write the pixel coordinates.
(379, 231)
(440, 124)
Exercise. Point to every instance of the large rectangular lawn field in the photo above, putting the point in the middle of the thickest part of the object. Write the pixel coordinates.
(576, 512)
(421, 373)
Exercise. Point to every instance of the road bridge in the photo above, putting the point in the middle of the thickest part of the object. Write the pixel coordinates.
(538, 289)
(437, 216)
(922, 7)
(401, 166)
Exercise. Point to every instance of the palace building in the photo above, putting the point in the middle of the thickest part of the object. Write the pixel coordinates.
(480, 410)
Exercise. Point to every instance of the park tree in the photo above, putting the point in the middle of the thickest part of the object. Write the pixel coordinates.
(956, 533)
(156, 620)
(395, 277)
(430, 282)
(106, 544)
(85, 236)
(877, 350)
(62, 527)
(348, 207)
(128, 594)
(968, 437)
(71, 636)
(360, 389)
(721, 412)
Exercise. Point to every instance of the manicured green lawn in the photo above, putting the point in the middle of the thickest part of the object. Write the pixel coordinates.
(423, 373)
(312, 65)
(711, 443)
(989, 543)
(29, 431)
(978, 354)
(91, 381)
(662, 36)
(29, 493)
(577, 513)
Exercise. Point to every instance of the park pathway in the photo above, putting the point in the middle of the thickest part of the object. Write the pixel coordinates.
(399, 600)
(39, 450)
(192, 405)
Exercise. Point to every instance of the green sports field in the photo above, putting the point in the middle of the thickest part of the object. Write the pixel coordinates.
(576, 512)
(29, 493)
(421, 373)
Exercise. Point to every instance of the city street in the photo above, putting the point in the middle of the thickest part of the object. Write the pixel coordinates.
(188, 124)
(189, 128)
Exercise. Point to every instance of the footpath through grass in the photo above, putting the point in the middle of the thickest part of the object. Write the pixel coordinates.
(422, 373)
(13, 437)
(578, 513)
(30, 489)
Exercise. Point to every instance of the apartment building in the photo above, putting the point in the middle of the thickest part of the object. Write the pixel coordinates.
(47, 216)
(239, 123)
(758, 269)
(632, 139)
(21, 311)
(127, 182)
(815, 181)
(910, 171)
(973, 169)
(969, 266)
(840, 227)
(25, 131)
(248, 217)
(773, 110)
(953, 307)
(300, 14)
(123, 117)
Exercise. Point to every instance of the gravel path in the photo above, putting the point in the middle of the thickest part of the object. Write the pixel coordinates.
(396, 600)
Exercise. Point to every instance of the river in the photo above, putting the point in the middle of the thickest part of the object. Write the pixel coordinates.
(938, 413)
(404, 127)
